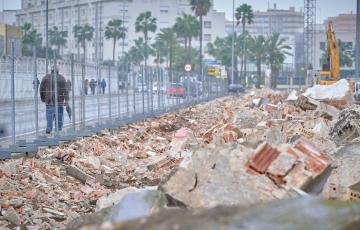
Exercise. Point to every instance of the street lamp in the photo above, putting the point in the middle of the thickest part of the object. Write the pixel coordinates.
(47, 38)
(232, 44)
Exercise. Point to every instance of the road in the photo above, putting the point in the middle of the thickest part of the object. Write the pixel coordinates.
(96, 109)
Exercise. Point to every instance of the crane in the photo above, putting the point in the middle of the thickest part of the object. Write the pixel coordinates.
(330, 72)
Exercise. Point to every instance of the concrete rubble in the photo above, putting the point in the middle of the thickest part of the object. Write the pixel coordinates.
(255, 148)
(303, 213)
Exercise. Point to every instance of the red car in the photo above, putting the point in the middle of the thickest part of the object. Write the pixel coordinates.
(175, 89)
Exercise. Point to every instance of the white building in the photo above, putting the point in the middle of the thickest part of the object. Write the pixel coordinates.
(8, 17)
(285, 22)
(65, 14)
(288, 23)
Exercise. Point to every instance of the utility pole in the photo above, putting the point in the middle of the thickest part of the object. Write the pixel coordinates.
(309, 37)
(232, 43)
(47, 38)
(357, 42)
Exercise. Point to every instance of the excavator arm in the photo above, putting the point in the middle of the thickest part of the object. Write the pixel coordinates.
(332, 74)
(333, 50)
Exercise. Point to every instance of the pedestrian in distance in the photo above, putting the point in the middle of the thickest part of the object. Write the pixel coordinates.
(36, 84)
(86, 86)
(47, 95)
(103, 85)
(92, 86)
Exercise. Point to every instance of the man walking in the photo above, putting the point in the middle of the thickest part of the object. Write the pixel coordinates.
(92, 86)
(47, 95)
(103, 85)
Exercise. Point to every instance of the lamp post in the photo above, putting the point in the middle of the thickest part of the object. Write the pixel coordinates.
(47, 38)
(232, 43)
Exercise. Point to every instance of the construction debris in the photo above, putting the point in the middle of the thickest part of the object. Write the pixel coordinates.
(304, 213)
(347, 127)
(339, 94)
(256, 148)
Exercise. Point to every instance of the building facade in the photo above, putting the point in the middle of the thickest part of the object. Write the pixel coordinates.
(10, 34)
(8, 17)
(65, 14)
(345, 30)
(284, 22)
(288, 23)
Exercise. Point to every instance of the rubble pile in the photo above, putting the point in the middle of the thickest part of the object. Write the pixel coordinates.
(256, 148)
(58, 185)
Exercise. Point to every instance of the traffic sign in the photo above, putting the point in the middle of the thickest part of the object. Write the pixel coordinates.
(187, 67)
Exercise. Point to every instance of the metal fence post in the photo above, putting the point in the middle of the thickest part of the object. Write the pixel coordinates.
(134, 89)
(73, 92)
(142, 89)
(151, 89)
(127, 90)
(158, 87)
(54, 78)
(118, 87)
(109, 96)
(36, 90)
(13, 133)
(83, 92)
(147, 80)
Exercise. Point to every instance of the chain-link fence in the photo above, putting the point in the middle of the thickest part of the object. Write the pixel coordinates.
(89, 97)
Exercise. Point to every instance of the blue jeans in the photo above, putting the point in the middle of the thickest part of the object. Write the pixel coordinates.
(50, 117)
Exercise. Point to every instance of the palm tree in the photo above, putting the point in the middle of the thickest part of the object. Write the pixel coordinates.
(221, 50)
(30, 38)
(276, 49)
(187, 27)
(258, 54)
(145, 23)
(83, 34)
(168, 36)
(57, 38)
(160, 51)
(244, 15)
(115, 30)
(201, 9)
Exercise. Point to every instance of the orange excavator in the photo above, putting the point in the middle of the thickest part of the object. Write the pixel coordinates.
(330, 72)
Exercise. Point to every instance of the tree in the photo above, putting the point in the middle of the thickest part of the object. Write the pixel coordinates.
(244, 15)
(115, 30)
(221, 50)
(276, 49)
(83, 34)
(180, 58)
(145, 23)
(346, 55)
(57, 38)
(168, 36)
(30, 38)
(160, 51)
(201, 9)
(258, 54)
(187, 27)
(137, 52)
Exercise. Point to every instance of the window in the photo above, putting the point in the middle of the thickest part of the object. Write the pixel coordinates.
(164, 9)
(322, 46)
(207, 24)
(207, 37)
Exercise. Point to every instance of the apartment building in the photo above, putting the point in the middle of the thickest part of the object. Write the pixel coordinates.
(65, 14)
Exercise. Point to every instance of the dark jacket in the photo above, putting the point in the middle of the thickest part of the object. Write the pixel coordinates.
(103, 83)
(47, 90)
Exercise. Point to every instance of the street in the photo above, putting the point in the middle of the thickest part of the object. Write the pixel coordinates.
(96, 109)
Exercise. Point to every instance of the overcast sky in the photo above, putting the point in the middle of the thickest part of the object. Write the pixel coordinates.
(325, 8)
